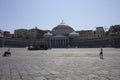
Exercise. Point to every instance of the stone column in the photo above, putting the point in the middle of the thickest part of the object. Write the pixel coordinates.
(55, 43)
(60, 43)
(51, 43)
(65, 43)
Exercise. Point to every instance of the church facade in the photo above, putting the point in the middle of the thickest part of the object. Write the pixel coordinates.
(60, 36)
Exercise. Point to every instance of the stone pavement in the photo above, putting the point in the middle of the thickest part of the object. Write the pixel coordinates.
(60, 64)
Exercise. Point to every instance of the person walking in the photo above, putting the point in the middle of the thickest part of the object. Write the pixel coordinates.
(101, 54)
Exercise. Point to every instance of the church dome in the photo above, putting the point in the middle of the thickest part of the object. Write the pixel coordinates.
(48, 34)
(73, 34)
(62, 29)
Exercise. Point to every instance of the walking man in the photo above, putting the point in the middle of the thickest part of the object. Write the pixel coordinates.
(101, 54)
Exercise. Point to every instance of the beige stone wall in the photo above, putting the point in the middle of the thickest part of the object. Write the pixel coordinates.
(1, 33)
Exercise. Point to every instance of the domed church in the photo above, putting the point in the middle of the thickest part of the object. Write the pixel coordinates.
(59, 36)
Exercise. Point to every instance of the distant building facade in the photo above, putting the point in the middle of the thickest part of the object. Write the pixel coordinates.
(63, 36)
(20, 33)
(1, 33)
(7, 34)
(99, 33)
(114, 35)
(85, 34)
(33, 34)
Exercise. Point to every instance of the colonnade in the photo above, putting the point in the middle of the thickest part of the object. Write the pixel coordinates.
(59, 43)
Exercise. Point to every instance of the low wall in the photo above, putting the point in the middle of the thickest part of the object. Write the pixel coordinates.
(8, 42)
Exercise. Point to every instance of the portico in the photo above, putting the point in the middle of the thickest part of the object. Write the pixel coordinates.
(59, 41)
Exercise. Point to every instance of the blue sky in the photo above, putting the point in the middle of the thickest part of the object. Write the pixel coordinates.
(46, 14)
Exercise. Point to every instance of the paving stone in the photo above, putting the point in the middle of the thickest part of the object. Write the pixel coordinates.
(57, 79)
(24, 75)
(93, 77)
(14, 73)
(40, 78)
(60, 64)
(0, 73)
(5, 72)
(51, 71)
(103, 78)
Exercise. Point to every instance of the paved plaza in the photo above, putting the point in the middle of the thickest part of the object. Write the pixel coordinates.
(60, 64)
